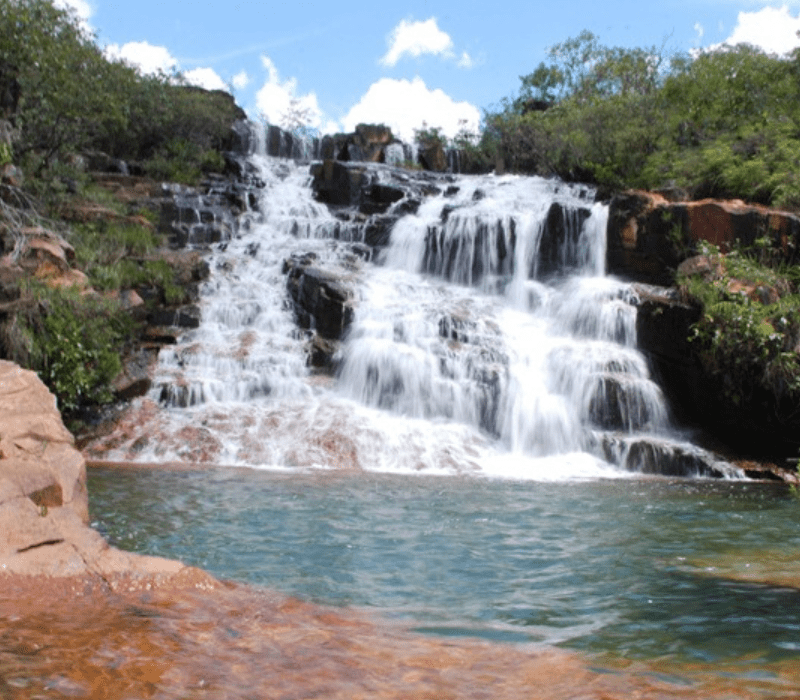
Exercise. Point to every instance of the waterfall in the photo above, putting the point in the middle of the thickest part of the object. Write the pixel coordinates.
(485, 339)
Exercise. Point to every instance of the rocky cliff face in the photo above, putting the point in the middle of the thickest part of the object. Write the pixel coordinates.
(649, 236)
(650, 239)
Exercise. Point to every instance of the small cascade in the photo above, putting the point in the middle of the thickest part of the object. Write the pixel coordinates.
(395, 154)
(466, 326)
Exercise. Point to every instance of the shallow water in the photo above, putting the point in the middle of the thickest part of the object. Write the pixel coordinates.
(628, 569)
(243, 643)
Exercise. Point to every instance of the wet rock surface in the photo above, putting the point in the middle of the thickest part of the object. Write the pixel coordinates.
(323, 303)
(233, 642)
(763, 427)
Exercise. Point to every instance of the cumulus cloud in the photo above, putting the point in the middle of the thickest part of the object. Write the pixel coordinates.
(146, 57)
(415, 39)
(405, 105)
(205, 78)
(149, 60)
(278, 101)
(241, 80)
(772, 29)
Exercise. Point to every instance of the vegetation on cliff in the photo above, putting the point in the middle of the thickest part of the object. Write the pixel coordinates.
(724, 123)
(67, 109)
(748, 332)
(72, 99)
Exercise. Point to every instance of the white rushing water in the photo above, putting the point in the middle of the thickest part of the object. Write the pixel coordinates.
(486, 340)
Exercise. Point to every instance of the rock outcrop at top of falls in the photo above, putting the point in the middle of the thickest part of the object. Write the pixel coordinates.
(368, 143)
(649, 236)
(44, 506)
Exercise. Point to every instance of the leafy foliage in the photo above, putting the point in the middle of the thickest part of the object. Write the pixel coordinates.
(69, 93)
(725, 123)
(73, 342)
(73, 98)
(750, 324)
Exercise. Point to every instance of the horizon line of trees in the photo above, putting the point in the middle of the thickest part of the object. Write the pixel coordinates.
(73, 98)
(721, 123)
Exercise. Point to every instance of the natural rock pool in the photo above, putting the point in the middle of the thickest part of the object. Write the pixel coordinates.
(436, 416)
(682, 572)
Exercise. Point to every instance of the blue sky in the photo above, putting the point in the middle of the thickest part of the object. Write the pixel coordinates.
(405, 63)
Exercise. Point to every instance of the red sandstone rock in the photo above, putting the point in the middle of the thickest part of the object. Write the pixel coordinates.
(648, 236)
(44, 506)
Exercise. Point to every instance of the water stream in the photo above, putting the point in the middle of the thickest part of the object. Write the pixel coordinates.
(486, 339)
(481, 461)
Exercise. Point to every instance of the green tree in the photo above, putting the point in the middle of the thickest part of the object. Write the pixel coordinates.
(70, 94)
(731, 127)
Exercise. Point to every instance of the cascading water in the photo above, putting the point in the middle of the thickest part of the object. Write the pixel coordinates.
(485, 339)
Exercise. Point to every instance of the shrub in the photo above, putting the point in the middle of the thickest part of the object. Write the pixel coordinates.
(747, 343)
(115, 256)
(183, 161)
(73, 342)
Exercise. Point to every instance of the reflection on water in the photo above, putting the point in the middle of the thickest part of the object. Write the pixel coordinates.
(620, 569)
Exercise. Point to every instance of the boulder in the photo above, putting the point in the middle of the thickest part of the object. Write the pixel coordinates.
(432, 156)
(135, 379)
(369, 142)
(337, 183)
(322, 298)
(44, 506)
(44, 247)
(366, 144)
(243, 137)
(559, 248)
(46, 256)
(663, 327)
(181, 317)
(654, 455)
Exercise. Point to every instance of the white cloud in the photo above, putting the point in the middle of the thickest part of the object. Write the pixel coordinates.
(465, 61)
(330, 127)
(241, 80)
(205, 78)
(277, 101)
(83, 11)
(772, 29)
(698, 28)
(406, 105)
(147, 58)
(417, 38)
(82, 8)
